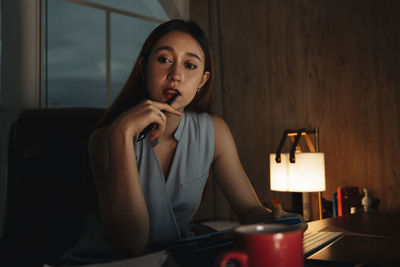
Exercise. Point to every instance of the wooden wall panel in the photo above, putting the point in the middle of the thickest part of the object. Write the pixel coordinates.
(332, 64)
(206, 13)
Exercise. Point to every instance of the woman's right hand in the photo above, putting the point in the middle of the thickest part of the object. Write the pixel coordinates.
(135, 119)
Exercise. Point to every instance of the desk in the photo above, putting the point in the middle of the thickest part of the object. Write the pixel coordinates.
(370, 239)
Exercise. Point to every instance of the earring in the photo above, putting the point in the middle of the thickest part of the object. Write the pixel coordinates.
(198, 90)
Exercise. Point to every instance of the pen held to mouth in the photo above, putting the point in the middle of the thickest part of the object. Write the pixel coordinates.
(151, 126)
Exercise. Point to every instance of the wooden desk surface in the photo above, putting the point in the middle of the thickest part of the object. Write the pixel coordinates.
(382, 224)
(372, 239)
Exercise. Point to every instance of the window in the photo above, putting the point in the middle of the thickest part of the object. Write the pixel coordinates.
(91, 47)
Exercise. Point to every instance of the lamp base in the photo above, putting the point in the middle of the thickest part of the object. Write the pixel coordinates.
(307, 207)
(297, 203)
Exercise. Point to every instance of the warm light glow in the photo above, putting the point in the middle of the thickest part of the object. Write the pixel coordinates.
(307, 174)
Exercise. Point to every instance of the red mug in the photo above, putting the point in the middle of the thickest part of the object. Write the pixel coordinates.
(268, 245)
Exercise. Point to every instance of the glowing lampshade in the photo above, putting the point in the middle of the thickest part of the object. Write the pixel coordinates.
(307, 174)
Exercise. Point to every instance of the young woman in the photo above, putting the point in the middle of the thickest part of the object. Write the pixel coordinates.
(149, 190)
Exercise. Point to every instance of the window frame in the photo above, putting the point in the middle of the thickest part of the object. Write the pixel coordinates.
(108, 11)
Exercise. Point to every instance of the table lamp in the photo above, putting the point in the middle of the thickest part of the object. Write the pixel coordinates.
(298, 171)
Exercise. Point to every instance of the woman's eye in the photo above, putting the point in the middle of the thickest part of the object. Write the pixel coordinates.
(190, 66)
(163, 60)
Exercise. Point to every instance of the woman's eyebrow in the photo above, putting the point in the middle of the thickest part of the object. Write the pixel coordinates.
(168, 48)
(190, 54)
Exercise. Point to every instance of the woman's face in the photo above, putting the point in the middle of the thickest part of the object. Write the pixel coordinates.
(175, 65)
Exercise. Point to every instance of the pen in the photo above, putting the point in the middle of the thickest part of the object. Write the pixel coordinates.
(151, 126)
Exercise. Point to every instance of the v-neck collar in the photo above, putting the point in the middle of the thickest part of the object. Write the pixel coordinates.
(178, 131)
(177, 136)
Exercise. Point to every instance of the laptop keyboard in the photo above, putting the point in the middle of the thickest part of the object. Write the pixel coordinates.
(314, 241)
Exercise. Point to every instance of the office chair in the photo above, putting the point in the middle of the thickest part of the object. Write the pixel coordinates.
(46, 203)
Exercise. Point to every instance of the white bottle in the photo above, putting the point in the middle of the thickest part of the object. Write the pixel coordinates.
(366, 201)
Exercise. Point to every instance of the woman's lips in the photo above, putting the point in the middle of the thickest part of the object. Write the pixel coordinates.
(170, 92)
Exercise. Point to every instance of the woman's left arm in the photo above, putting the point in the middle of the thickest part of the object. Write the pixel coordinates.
(232, 178)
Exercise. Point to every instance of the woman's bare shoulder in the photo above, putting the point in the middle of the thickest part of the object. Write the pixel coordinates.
(223, 137)
(218, 121)
(221, 128)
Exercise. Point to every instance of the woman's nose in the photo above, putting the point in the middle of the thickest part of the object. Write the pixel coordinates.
(175, 73)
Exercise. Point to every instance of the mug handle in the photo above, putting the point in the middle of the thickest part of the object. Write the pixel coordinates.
(240, 257)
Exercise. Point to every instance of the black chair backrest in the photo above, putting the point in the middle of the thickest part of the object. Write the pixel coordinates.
(46, 190)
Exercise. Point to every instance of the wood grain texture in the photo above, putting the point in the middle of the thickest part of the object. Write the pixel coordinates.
(332, 64)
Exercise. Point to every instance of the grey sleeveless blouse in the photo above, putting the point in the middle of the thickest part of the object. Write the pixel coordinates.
(171, 202)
